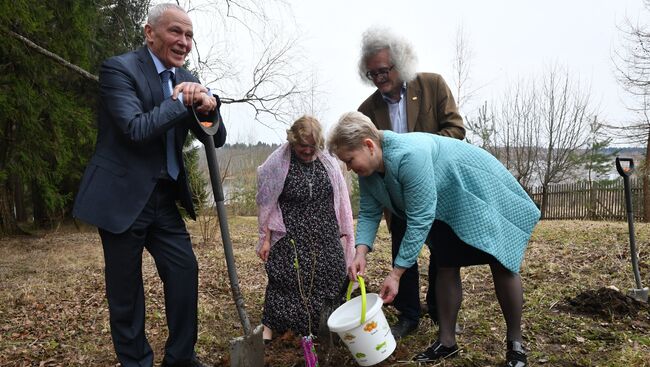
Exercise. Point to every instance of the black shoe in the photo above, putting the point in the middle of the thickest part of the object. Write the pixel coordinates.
(516, 355)
(403, 327)
(193, 363)
(436, 352)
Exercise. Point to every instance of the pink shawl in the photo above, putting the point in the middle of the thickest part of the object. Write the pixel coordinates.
(270, 182)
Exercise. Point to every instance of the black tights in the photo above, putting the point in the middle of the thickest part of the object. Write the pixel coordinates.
(449, 294)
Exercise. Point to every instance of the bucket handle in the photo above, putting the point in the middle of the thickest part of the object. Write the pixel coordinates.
(362, 286)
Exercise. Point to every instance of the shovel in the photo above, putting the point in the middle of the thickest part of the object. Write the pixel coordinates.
(246, 351)
(639, 293)
(325, 336)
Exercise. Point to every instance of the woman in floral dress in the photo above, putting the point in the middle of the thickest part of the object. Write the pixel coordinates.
(305, 230)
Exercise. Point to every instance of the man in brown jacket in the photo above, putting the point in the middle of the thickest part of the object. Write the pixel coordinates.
(406, 101)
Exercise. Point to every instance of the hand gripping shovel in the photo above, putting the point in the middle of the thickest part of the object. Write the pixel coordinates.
(246, 351)
(639, 293)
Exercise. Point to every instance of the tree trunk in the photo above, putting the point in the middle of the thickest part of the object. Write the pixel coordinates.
(544, 201)
(645, 171)
(40, 213)
(19, 199)
(591, 215)
(8, 225)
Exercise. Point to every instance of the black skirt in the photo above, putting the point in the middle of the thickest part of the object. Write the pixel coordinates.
(451, 251)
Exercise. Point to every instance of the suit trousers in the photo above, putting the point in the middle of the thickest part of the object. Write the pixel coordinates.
(407, 301)
(161, 230)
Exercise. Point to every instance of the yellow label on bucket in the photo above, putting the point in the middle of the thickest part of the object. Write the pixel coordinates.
(370, 326)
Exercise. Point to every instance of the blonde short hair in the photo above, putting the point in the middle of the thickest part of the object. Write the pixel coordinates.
(304, 127)
(350, 132)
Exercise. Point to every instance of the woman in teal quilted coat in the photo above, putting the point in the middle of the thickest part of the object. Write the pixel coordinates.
(485, 216)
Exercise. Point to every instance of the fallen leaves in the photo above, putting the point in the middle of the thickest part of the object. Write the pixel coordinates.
(53, 309)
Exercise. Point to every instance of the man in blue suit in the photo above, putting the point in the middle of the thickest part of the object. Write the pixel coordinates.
(130, 187)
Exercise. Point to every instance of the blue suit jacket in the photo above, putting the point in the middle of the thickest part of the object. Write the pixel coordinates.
(130, 151)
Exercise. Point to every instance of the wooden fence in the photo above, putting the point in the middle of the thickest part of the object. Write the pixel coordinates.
(593, 201)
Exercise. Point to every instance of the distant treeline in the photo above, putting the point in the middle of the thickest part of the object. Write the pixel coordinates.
(259, 144)
(624, 150)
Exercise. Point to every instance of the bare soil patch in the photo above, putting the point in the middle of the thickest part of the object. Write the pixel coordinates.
(606, 303)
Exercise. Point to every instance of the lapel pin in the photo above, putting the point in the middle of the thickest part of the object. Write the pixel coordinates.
(414, 98)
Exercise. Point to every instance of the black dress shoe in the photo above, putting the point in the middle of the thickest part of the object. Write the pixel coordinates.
(436, 352)
(403, 327)
(516, 355)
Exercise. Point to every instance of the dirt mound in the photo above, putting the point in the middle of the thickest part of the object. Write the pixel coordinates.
(605, 302)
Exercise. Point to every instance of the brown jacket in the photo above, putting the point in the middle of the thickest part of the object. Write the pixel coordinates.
(430, 108)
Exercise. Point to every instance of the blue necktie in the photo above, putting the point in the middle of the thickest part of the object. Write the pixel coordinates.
(172, 160)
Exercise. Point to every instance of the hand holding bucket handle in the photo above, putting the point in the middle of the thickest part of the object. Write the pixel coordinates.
(362, 285)
(369, 339)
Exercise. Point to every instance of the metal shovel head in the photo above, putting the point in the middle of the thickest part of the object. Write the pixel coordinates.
(325, 336)
(248, 350)
(640, 295)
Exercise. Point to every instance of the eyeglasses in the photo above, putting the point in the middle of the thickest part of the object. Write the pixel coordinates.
(383, 72)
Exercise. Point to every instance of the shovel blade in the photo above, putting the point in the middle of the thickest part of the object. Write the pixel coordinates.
(325, 336)
(640, 295)
(248, 350)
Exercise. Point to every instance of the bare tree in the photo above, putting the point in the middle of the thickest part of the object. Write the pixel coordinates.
(538, 129)
(565, 115)
(246, 51)
(483, 126)
(632, 65)
(512, 131)
(276, 85)
(519, 135)
(462, 65)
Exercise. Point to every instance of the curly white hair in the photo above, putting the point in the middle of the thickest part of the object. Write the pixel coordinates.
(402, 55)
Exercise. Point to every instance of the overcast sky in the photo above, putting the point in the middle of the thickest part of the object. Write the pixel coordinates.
(508, 38)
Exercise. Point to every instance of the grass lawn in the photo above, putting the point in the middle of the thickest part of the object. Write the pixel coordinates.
(53, 311)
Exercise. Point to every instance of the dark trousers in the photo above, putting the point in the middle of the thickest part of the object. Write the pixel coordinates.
(407, 301)
(161, 230)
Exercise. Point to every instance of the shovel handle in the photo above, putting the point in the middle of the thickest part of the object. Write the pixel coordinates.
(217, 190)
(206, 125)
(362, 286)
(624, 171)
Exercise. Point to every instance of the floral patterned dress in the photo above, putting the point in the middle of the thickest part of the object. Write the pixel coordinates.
(296, 289)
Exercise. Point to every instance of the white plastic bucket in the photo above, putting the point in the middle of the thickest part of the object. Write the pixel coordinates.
(361, 324)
